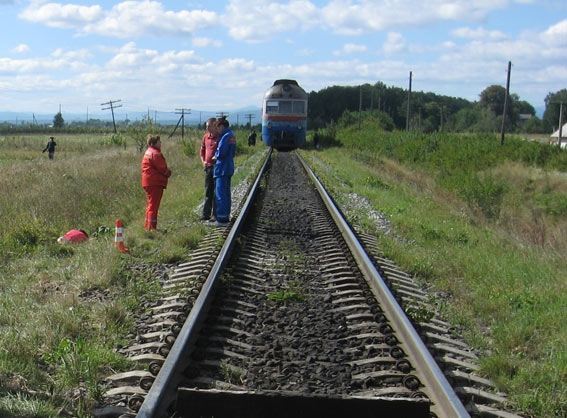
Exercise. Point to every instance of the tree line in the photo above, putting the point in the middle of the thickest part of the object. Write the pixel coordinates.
(430, 112)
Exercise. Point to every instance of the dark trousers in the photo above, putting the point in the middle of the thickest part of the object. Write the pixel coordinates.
(51, 154)
(209, 204)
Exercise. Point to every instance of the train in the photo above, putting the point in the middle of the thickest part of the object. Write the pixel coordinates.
(284, 115)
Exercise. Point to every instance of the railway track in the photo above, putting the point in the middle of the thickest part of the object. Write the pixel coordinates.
(285, 313)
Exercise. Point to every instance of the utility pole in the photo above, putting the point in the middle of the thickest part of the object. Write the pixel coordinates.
(111, 104)
(221, 115)
(505, 110)
(237, 119)
(249, 116)
(359, 105)
(87, 121)
(408, 109)
(182, 112)
(560, 133)
(155, 117)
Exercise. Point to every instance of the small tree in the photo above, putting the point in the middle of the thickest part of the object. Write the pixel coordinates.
(58, 121)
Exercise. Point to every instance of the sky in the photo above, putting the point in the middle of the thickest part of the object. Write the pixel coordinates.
(223, 55)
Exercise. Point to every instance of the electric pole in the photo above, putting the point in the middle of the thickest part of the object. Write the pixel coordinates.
(408, 109)
(111, 104)
(222, 115)
(182, 112)
(359, 105)
(249, 116)
(560, 132)
(504, 111)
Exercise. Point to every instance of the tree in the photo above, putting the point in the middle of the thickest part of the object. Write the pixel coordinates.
(58, 121)
(492, 98)
(552, 102)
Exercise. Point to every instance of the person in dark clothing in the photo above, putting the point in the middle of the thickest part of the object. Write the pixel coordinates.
(252, 138)
(50, 147)
(208, 149)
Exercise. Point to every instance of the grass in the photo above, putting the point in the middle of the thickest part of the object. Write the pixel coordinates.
(292, 292)
(64, 309)
(502, 272)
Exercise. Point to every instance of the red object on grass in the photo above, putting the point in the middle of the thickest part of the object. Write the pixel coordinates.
(75, 236)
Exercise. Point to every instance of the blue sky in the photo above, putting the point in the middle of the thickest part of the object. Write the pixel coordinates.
(223, 55)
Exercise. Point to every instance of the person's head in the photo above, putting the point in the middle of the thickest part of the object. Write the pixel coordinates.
(222, 124)
(153, 141)
(52, 138)
(210, 124)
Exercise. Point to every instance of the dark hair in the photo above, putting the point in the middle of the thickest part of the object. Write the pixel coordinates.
(151, 139)
(210, 121)
(223, 122)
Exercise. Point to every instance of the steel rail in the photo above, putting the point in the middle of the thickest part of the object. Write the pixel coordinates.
(445, 400)
(164, 388)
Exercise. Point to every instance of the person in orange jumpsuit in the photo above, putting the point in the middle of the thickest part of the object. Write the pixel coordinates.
(155, 174)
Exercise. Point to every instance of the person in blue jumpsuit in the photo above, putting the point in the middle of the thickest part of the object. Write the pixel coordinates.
(223, 171)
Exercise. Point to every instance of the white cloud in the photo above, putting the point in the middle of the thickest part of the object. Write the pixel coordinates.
(125, 19)
(61, 15)
(259, 20)
(206, 42)
(394, 43)
(348, 49)
(21, 49)
(556, 34)
(351, 17)
(478, 33)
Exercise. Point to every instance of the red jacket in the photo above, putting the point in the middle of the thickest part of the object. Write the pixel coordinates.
(208, 148)
(154, 168)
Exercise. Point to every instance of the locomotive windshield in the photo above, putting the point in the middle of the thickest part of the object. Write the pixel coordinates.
(285, 107)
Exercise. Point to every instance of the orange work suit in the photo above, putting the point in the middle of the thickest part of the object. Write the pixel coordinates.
(155, 175)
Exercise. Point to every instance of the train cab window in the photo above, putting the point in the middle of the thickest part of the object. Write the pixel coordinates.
(272, 107)
(285, 106)
(299, 107)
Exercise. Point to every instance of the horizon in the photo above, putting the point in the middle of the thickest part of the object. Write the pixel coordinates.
(223, 55)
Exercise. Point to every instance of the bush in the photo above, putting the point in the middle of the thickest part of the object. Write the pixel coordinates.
(484, 192)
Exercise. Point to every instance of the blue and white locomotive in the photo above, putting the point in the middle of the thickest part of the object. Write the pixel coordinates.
(284, 115)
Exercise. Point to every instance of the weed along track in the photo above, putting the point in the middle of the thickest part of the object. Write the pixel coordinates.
(290, 318)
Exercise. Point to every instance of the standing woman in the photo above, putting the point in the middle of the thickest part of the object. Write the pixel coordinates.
(154, 179)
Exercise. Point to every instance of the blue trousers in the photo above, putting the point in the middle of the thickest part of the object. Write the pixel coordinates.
(222, 198)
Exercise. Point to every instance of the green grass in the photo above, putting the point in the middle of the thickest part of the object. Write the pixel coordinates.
(64, 309)
(504, 279)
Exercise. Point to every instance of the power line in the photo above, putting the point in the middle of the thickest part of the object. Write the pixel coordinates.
(111, 105)
(249, 116)
(181, 120)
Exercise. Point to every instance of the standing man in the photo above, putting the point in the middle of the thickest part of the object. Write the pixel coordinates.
(223, 171)
(208, 149)
(50, 147)
(252, 138)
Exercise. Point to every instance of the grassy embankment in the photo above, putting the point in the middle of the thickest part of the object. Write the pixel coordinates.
(63, 309)
(486, 226)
